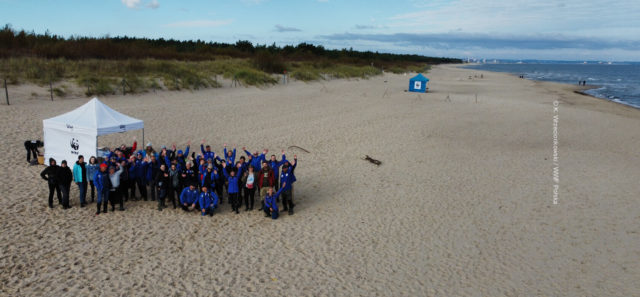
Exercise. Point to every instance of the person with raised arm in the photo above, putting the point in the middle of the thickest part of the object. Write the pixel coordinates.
(230, 155)
(271, 205)
(233, 185)
(287, 179)
(206, 151)
(275, 166)
(256, 159)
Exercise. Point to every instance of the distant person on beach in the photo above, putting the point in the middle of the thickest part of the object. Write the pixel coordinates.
(103, 185)
(92, 168)
(115, 189)
(207, 201)
(230, 155)
(32, 148)
(50, 174)
(161, 181)
(270, 204)
(266, 181)
(65, 177)
(275, 166)
(188, 197)
(233, 186)
(80, 178)
(249, 183)
(287, 178)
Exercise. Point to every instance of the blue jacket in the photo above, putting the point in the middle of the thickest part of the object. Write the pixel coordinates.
(101, 181)
(271, 201)
(205, 154)
(152, 169)
(208, 199)
(230, 160)
(234, 181)
(141, 168)
(188, 196)
(275, 165)
(286, 178)
(212, 178)
(91, 170)
(256, 162)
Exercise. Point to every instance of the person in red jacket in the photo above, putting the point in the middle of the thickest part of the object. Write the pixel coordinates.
(266, 180)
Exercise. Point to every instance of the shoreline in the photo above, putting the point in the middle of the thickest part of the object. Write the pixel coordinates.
(578, 89)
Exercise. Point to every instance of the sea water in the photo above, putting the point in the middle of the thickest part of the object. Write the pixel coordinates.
(619, 82)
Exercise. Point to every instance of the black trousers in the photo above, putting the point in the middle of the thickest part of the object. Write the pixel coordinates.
(115, 197)
(65, 194)
(174, 195)
(234, 199)
(124, 189)
(93, 191)
(142, 187)
(54, 187)
(249, 197)
(132, 187)
(219, 188)
(287, 200)
(32, 151)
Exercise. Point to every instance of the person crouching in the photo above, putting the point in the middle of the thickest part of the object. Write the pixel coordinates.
(207, 201)
(270, 203)
(189, 197)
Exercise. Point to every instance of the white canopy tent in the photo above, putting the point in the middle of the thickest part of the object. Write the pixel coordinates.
(76, 132)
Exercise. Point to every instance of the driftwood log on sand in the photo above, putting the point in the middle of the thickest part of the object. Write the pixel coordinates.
(372, 160)
(295, 146)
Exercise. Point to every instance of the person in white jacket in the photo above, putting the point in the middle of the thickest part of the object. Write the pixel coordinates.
(115, 193)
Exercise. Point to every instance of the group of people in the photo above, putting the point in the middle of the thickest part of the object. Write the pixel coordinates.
(193, 182)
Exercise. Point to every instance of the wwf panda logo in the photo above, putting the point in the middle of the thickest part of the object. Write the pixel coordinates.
(74, 144)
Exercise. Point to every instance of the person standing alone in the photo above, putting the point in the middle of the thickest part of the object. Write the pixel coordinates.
(50, 174)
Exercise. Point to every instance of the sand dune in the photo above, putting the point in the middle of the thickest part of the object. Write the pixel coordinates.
(461, 206)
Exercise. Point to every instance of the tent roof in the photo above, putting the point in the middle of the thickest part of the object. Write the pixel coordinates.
(420, 77)
(95, 116)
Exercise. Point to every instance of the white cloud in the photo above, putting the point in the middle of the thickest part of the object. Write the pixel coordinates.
(131, 3)
(153, 4)
(135, 4)
(199, 24)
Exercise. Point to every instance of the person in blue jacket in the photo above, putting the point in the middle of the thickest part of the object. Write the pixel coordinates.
(287, 179)
(270, 204)
(275, 165)
(153, 167)
(189, 197)
(230, 155)
(233, 178)
(207, 153)
(207, 201)
(103, 185)
(92, 168)
(131, 182)
(256, 159)
(141, 174)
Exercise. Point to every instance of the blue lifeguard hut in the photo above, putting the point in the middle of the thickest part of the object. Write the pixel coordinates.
(418, 83)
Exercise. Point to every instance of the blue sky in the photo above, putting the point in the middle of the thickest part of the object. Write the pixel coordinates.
(516, 29)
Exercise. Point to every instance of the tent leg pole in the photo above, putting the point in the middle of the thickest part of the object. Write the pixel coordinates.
(142, 137)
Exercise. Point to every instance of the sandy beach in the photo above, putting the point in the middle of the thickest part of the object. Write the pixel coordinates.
(462, 204)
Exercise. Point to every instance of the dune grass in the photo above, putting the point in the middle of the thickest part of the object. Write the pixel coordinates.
(105, 77)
